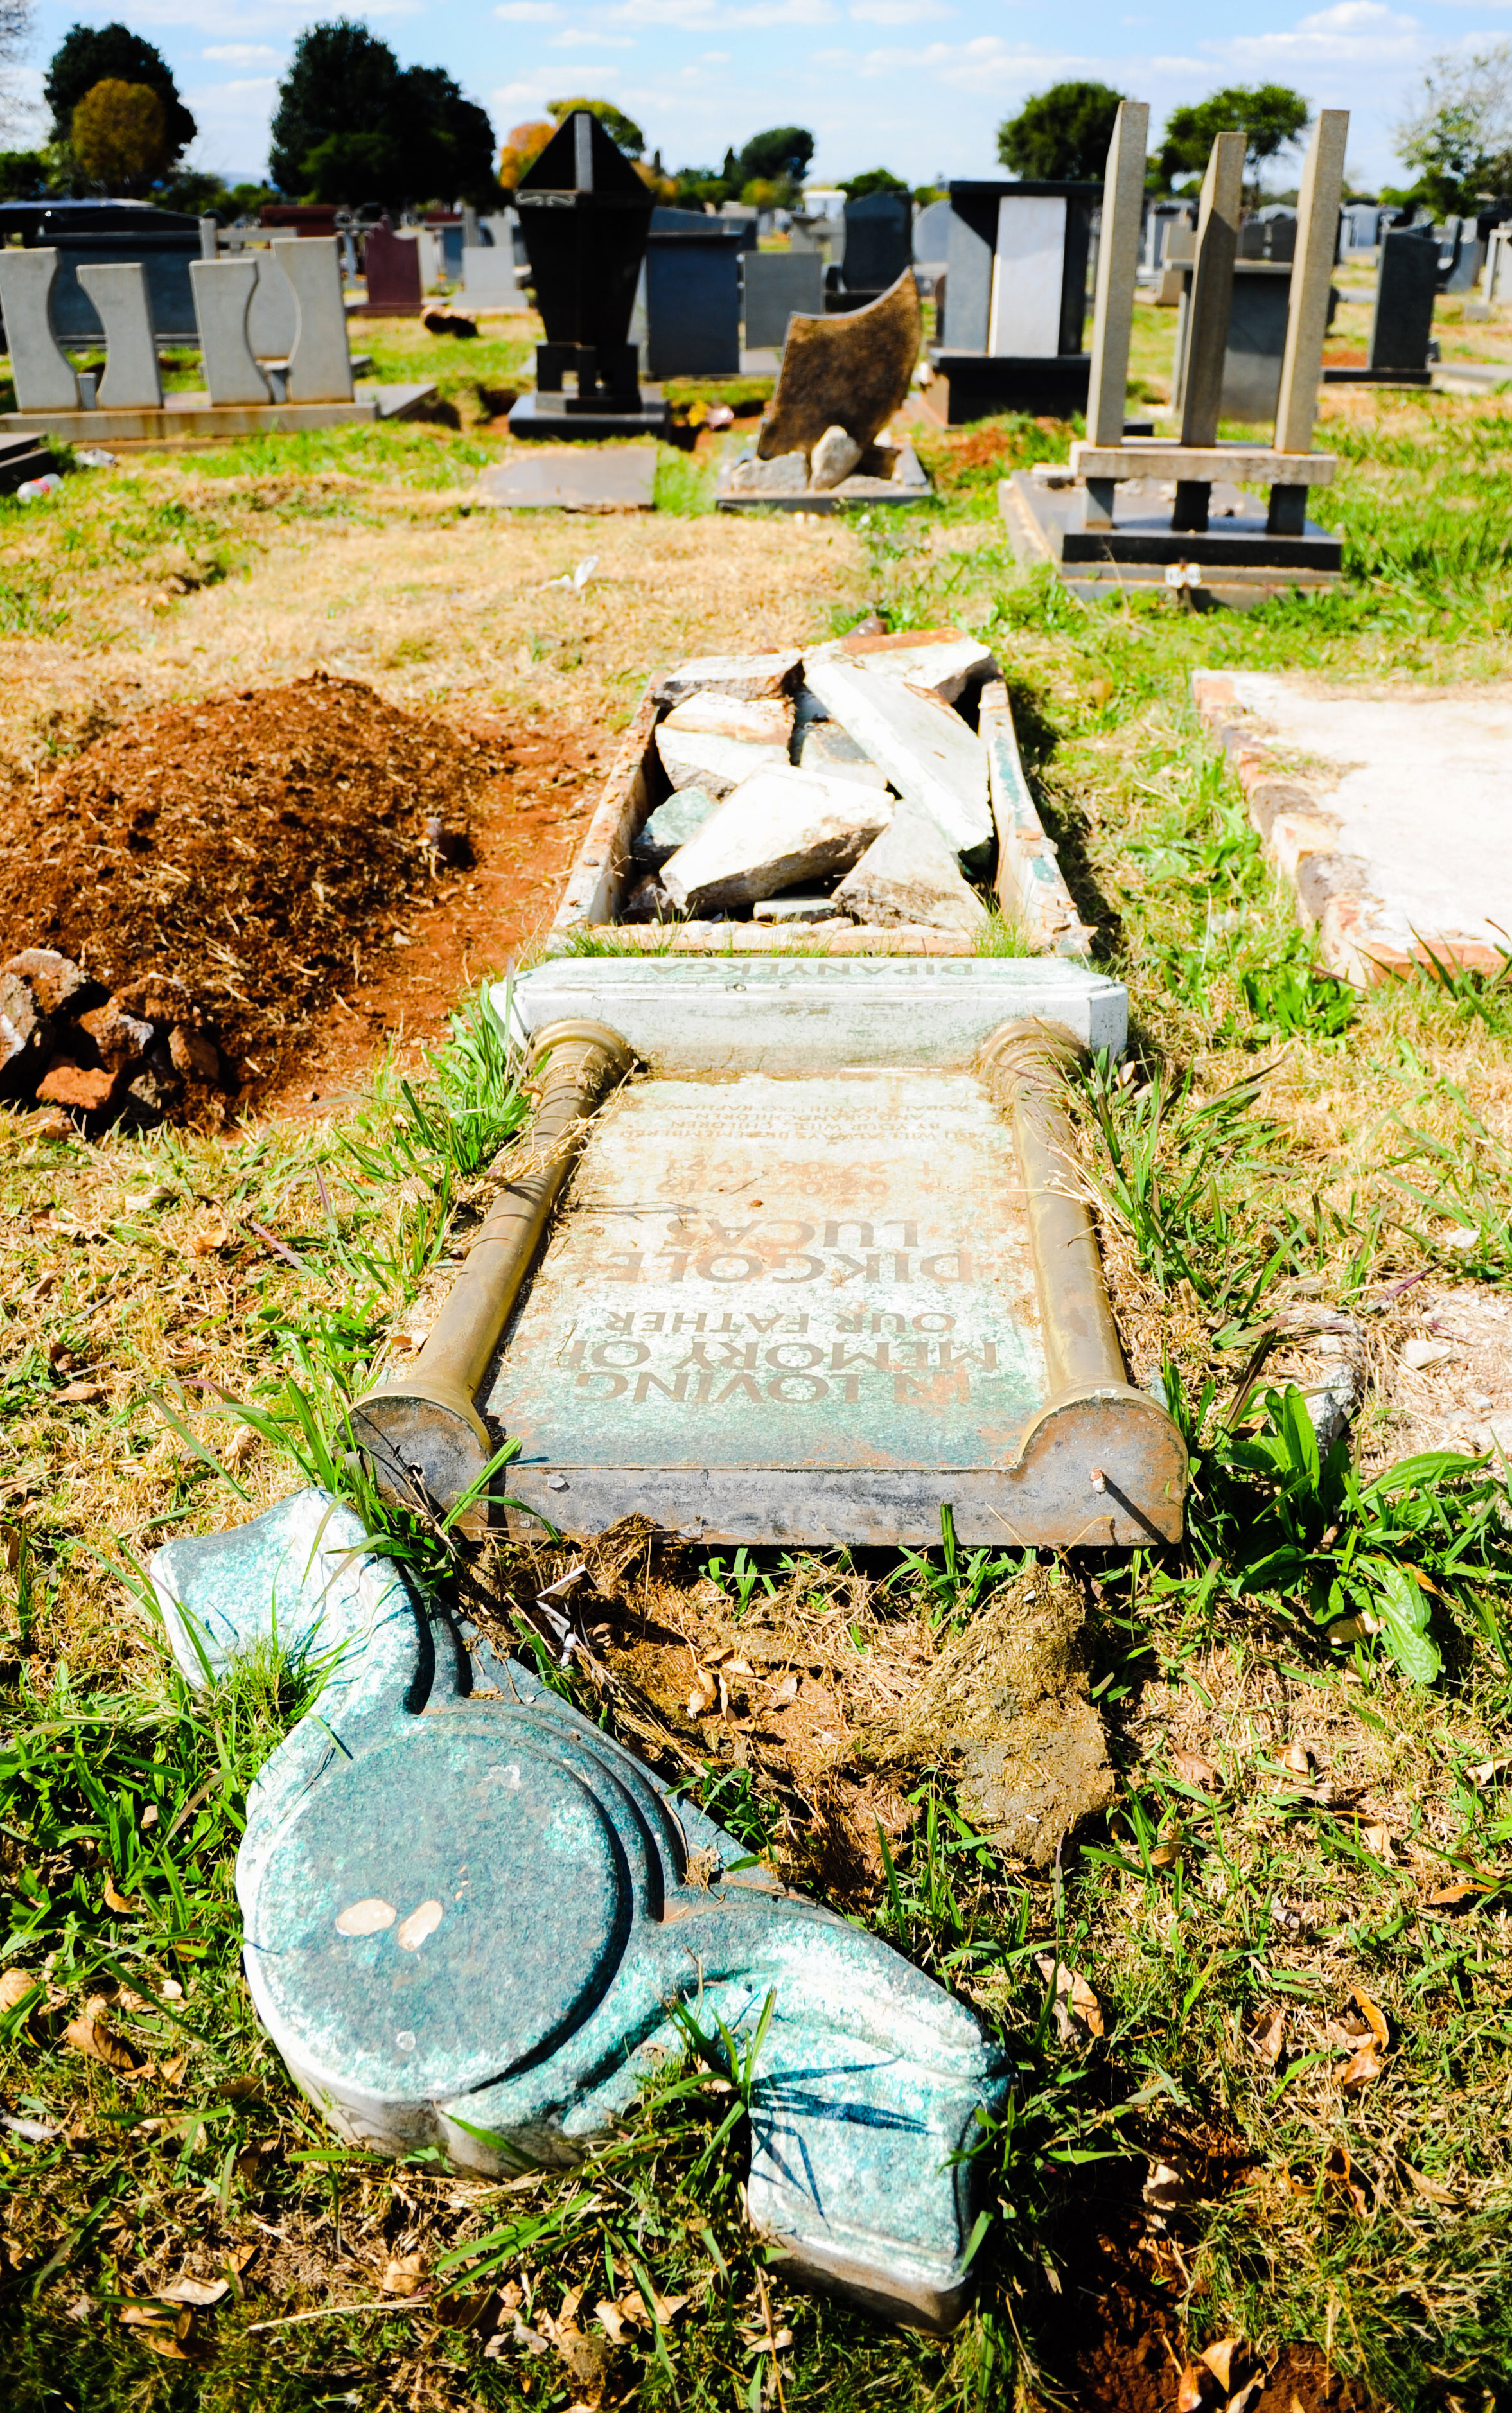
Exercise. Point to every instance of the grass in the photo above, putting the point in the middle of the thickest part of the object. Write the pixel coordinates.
(1307, 1701)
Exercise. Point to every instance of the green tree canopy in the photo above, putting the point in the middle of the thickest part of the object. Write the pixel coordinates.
(1270, 116)
(872, 180)
(351, 125)
(1459, 135)
(781, 156)
(92, 55)
(619, 127)
(1060, 135)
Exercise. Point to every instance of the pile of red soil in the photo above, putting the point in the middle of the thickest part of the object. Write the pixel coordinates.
(256, 849)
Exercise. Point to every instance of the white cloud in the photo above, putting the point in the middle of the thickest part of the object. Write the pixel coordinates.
(580, 38)
(897, 12)
(241, 54)
(1355, 33)
(526, 12)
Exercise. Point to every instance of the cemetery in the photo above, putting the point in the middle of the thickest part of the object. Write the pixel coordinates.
(756, 1137)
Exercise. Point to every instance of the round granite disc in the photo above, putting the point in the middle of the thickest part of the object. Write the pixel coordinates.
(442, 1907)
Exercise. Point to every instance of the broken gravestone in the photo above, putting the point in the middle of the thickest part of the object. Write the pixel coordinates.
(910, 874)
(850, 371)
(780, 826)
(927, 749)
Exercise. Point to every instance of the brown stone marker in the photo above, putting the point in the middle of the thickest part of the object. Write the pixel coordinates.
(850, 371)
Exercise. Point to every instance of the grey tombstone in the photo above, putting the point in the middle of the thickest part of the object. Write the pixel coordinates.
(1401, 327)
(877, 242)
(273, 320)
(931, 234)
(223, 292)
(1118, 254)
(692, 294)
(320, 360)
(777, 285)
(119, 293)
(43, 376)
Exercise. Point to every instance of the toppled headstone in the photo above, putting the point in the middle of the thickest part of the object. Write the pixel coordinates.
(911, 874)
(778, 828)
(823, 746)
(766, 722)
(788, 474)
(834, 457)
(692, 760)
(746, 676)
(941, 659)
(850, 370)
(671, 825)
(927, 751)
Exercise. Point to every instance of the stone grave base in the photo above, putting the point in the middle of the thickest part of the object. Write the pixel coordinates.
(978, 385)
(1377, 377)
(193, 417)
(1236, 559)
(544, 417)
(1472, 376)
(567, 478)
(1395, 839)
(911, 485)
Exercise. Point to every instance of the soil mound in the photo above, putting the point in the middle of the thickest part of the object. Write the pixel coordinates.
(253, 848)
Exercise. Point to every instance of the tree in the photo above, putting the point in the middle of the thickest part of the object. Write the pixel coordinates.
(88, 55)
(781, 156)
(523, 146)
(1459, 134)
(1271, 117)
(619, 127)
(351, 126)
(874, 180)
(119, 135)
(1060, 137)
(24, 175)
(15, 34)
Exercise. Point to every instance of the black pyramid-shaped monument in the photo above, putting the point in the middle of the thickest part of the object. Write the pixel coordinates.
(585, 212)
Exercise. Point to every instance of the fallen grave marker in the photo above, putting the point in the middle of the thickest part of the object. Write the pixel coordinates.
(821, 441)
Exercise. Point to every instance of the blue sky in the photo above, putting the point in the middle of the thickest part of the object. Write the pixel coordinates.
(919, 86)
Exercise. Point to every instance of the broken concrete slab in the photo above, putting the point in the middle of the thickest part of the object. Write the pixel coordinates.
(825, 746)
(746, 676)
(1030, 888)
(941, 659)
(718, 765)
(924, 747)
(911, 874)
(778, 1013)
(796, 905)
(671, 825)
(788, 474)
(834, 457)
(472, 1924)
(765, 721)
(778, 828)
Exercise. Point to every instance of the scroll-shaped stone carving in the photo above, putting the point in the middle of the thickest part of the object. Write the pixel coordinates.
(119, 293)
(43, 376)
(470, 1921)
(222, 297)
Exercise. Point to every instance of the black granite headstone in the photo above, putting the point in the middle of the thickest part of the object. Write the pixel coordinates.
(879, 246)
(1403, 326)
(584, 212)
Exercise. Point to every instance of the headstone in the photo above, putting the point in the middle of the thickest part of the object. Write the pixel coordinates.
(391, 263)
(910, 874)
(931, 235)
(1259, 316)
(778, 827)
(490, 278)
(1271, 234)
(692, 295)
(131, 379)
(222, 298)
(1208, 303)
(695, 759)
(851, 371)
(877, 242)
(777, 285)
(585, 214)
(43, 377)
(924, 747)
(273, 321)
(1402, 325)
(319, 363)
(1027, 218)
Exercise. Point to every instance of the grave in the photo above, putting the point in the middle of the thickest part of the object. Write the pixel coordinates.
(1130, 510)
(105, 234)
(1015, 298)
(1256, 348)
(391, 265)
(931, 247)
(879, 249)
(567, 478)
(1395, 839)
(841, 379)
(491, 273)
(1401, 323)
(692, 295)
(314, 387)
(777, 286)
(475, 1926)
(585, 214)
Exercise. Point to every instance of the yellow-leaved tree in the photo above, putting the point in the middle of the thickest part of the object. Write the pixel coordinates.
(119, 135)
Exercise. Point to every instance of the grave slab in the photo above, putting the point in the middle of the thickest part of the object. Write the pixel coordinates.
(1396, 835)
(567, 478)
(193, 418)
(924, 747)
(817, 1308)
(911, 874)
(777, 827)
(697, 759)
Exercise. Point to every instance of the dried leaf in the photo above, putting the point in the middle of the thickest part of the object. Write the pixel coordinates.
(1166, 1853)
(611, 2320)
(10, 1545)
(1428, 2189)
(240, 1447)
(1073, 1998)
(1266, 2032)
(1377, 1842)
(404, 2275)
(172, 2071)
(1374, 2017)
(1167, 2186)
(91, 2034)
(187, 2290)
(704, 1693)
(1190, 1767)
(1454, 1897)
(466, 2311)
(1339, 2172)
(79, 1394)
(115, 1900)
(1192, 2389)
(15, 1985)
(1246, 2396)
(785, 1693)
(1220, 2358)
(1361, 2068)
(1297, 1757)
